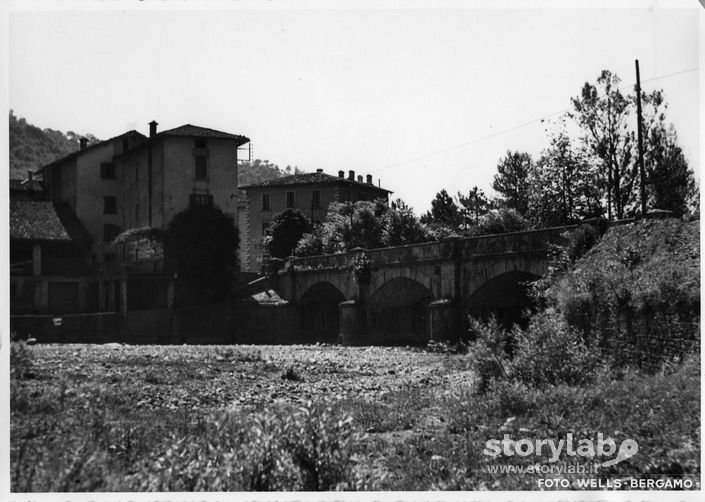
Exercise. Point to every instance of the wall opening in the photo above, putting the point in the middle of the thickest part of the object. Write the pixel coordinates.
(397, 313)
(505, 296)
(318, 313)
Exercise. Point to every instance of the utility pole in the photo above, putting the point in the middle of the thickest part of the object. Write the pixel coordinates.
(642, 175)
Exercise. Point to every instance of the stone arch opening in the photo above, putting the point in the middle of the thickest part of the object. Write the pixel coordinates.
(504, 296)
(397, 312)
(318, 312)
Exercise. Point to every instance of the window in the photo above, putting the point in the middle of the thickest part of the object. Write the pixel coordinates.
(201, 172)
(200, 143)
(110, 232)
(109, 205)
(347, 195)
(266, 202)
(289, 199)
(107, 171)
(316, 199)
(201, 199)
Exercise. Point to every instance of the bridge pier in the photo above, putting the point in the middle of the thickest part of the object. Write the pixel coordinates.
(441, 320)
(352, 322)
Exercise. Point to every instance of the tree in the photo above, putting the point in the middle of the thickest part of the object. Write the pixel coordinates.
(473, 205)
(671, 185)
(512, 180)
(563, 186)
(257, 171)
(401, 226)
(284, 233)
(362, 224)
(604, 114)
(202, 241)
(501, 221)
(444, 211)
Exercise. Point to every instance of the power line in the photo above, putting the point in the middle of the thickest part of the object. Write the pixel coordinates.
(514, 128)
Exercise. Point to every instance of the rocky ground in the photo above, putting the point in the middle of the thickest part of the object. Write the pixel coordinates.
(194, 377)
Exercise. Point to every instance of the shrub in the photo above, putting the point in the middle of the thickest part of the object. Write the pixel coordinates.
(501, 221)
(550, 351)
(308, 449)
(488, 352)
(319, 444)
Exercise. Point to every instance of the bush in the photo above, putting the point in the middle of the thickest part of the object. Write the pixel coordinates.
(500, 222)
(550, 351)
(308, 449)
(488, 352)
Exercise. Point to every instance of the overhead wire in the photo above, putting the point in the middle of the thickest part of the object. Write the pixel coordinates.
(514, 128)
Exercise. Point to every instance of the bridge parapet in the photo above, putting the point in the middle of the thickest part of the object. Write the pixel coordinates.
(515, 242)
(461, 247)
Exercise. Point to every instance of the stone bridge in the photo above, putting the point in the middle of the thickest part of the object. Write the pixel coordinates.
(416, 293)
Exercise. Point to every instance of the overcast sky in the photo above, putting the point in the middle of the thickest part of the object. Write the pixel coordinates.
(422, 98)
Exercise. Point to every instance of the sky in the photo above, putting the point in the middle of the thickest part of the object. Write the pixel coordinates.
(421, 97)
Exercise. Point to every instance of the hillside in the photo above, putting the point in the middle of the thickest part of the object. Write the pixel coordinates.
(32, 147)
(637, 291)
(257, 171)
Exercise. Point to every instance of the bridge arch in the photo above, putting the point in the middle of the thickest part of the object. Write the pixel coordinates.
(318, 314)
(506, 296)
(397, 312)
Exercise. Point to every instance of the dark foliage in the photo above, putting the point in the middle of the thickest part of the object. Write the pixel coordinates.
(444, 211)
(501, 221)
(512, 180)
(257, 171)
(285, 232)
(202, 241)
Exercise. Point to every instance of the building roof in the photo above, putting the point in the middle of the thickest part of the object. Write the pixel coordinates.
(189, 131)
(312, 179)
(45, 221)
(87, 149)
(202, 132)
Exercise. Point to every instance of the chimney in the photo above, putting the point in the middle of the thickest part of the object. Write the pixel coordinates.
(359, 178)
(341, 174)
(319, 171)
(83, 142)
(351, 175)
(369, 179)
(153, 128)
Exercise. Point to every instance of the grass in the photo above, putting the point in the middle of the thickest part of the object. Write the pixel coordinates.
(93, 418)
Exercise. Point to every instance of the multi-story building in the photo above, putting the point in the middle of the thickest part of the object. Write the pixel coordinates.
(88, 181)
(173, 169)
(138, 182)
(310, 193)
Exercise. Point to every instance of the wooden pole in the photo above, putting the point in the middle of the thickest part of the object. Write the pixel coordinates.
(642, 175)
